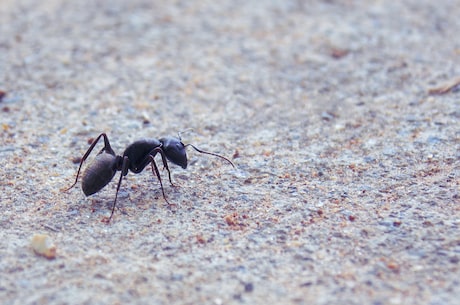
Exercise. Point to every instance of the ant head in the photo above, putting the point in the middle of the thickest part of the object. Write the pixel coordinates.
(174, 151)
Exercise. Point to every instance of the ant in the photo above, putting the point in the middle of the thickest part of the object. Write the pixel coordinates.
(135, 158)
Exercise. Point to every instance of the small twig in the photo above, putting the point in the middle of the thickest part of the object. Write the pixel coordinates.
(446, 88)
(51, 228)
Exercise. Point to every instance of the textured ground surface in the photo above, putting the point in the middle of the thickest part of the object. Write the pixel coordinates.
(347, 182)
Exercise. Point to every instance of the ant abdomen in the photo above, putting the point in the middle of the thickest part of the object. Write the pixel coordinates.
(98, 173)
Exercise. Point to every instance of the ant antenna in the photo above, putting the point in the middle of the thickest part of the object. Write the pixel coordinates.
(210, 153)
(183, 131)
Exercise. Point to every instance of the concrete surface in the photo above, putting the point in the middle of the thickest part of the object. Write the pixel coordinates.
(347, 182)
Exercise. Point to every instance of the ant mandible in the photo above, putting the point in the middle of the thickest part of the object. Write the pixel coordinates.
(135, 158)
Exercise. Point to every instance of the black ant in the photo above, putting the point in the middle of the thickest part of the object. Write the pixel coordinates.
(135, 158)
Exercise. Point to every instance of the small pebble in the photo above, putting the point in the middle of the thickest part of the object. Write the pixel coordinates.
(43, 245)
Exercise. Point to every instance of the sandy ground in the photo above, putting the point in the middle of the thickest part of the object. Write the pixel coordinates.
(347, 182)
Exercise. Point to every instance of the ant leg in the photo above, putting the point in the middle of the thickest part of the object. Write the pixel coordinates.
(155, 171)
(124, 172)
(165, 165)
(107, 148)
(153, 153)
